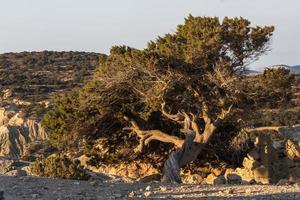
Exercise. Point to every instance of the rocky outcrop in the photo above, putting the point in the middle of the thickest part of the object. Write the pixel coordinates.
(12, 167)
(269, 162)
(16, 132)
(133, 171)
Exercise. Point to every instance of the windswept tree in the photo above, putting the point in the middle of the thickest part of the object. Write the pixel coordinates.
(189, 79)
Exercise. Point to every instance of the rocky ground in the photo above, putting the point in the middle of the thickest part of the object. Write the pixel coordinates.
(14, 188)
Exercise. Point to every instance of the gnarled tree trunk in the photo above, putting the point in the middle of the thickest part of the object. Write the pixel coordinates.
(179, 158)
(188, 149)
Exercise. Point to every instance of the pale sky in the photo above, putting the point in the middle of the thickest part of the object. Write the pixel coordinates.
(96, 25)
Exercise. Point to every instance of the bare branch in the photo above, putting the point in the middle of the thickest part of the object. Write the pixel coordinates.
(264, 128)
(224, 113)
(179, 117)
(205, 116)
(195, 128)
(146, 136)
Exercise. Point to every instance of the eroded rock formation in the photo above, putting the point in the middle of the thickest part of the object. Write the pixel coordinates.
(17, 132)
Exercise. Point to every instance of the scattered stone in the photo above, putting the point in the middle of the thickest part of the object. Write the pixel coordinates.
(217, 171)
(25, 178)
(233, 179)
(283, 182)
(34, 196)
(297, 184)
(133, 171)
(16, 173)
(250, 163)
(228, 191)
(162, 188)
(148, 188)
(261, 175)
(147, 194)
(245, 174)
(117, 195)
(292, 150)
(5, 165)
(151, 178)
(213, 179)
(93, 183)
(192, 178)
(295, 172)
(248, 191)
(131, 194)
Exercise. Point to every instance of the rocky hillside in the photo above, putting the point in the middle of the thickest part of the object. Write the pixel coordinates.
(29, 81)
(294, 69)
(35, 77)
(296, 90)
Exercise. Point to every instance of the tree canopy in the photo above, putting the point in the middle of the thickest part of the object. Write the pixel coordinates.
(184, 83)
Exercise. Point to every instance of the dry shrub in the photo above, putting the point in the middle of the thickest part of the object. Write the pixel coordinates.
(59, 166)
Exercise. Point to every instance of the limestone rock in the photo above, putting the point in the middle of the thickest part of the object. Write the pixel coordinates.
(5, 165)
(261, 175)
(228, 191)
(217, 171)
(150, 178)
(16, 132)
(216, 180)
(249, 163)
(134, 170)
(229, 171)
(292, 150)
(295, 172)
(245, 174)
(17, 173)
(253, 155)
(233, 178)
(284, 182)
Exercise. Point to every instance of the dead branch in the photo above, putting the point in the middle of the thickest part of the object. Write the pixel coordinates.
(264, 128)
(179, 117)
(146, 136)
(222, 115)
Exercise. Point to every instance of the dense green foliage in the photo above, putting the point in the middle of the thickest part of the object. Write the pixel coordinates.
(198, 68)
(58, 166)
(272, 89)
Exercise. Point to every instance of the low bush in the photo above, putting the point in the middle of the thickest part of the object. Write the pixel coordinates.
(59, 166)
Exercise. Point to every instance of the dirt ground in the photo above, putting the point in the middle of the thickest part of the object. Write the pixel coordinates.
(15, 188)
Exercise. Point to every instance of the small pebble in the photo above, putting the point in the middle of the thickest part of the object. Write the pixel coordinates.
(229, 191)
(93, 183)
(248, 191)
(162, 188)
(117, 195)
(148, 188)
(131, 194)
(147, 194)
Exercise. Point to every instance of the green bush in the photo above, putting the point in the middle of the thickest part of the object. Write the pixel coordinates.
(59, 166)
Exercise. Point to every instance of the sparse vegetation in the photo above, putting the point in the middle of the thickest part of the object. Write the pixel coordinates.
(59, 166)
(34, 78)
